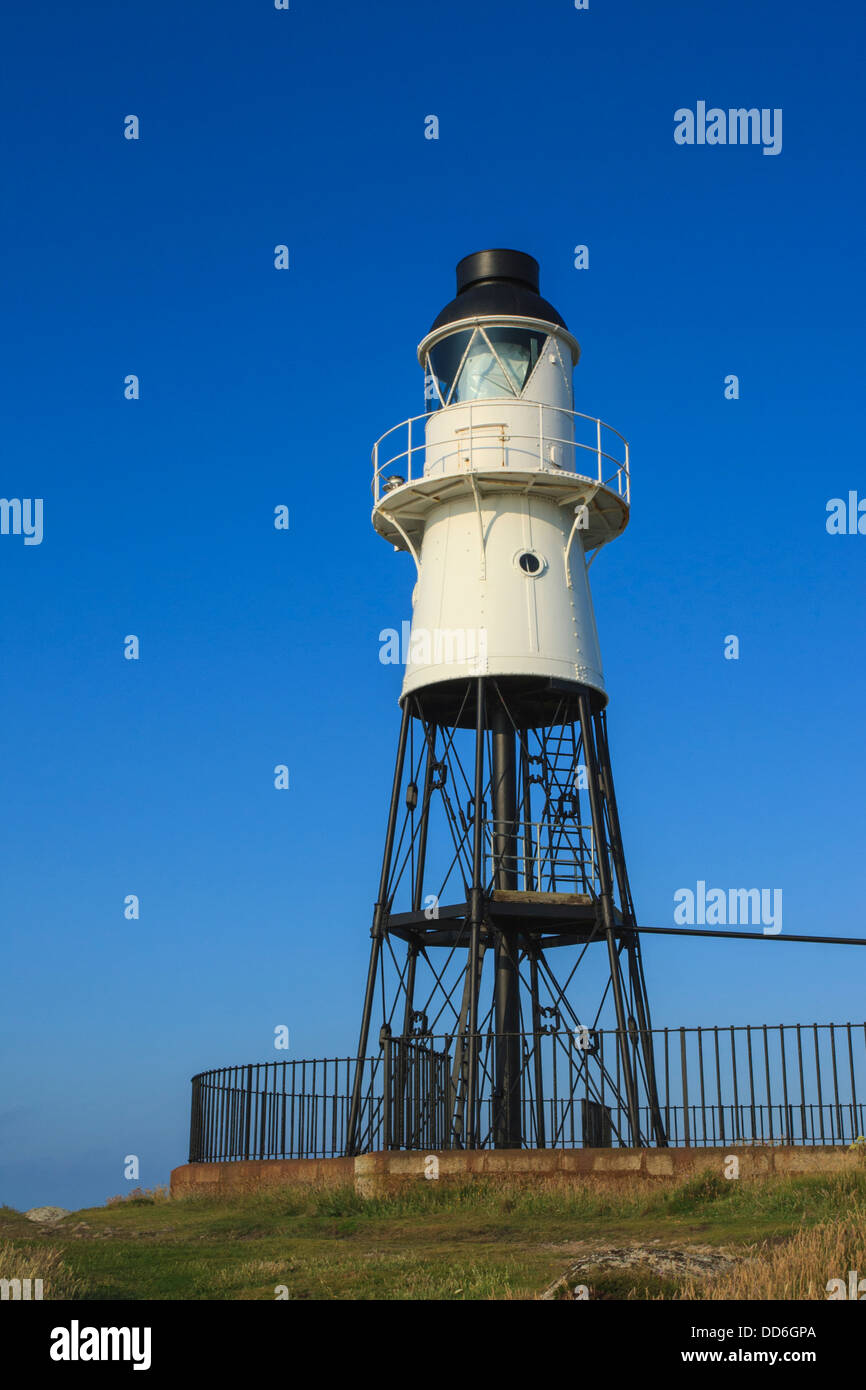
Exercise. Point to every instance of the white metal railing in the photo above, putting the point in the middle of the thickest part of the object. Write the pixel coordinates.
(400, 455)
(549, 856)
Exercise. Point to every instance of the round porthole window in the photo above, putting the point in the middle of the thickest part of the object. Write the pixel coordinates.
(530, 563)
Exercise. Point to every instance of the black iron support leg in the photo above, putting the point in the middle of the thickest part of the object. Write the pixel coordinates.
(606, 902)
(379, 912)
(476, 914)
(507, 1116)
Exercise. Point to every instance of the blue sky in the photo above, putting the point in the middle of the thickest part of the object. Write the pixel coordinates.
(260, 387)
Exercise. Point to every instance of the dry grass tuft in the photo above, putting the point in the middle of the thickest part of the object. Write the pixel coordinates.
(798, 1268)
(141, 1196)
(23, 1262)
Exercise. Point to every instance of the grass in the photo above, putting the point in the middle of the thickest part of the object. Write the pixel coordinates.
(21, 1261)
(798, 1268)
(439, 1242)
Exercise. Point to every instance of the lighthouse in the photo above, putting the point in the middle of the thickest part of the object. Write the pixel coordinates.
(503, 929)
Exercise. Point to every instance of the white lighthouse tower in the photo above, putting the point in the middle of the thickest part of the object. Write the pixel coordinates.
(502, 489)
(503, 838)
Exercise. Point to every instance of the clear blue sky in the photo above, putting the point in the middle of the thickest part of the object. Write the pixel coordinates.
(261, 387)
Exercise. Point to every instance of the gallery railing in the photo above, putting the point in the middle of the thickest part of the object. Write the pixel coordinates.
(553, 436)
(782, 1084)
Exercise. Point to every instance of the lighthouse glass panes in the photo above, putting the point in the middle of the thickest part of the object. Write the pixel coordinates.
(518, 349)
(480, 364)
(443, 364)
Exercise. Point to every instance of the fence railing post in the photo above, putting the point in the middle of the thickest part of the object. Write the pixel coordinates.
(687, 1132)
(789, 1138)
(818, 1080)
(195, 1122)
(387, 1086)
(854, 1127)
(262, 1100)
(248, 1111)
(838, 1125)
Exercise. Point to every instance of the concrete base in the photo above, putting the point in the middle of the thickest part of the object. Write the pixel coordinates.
(376, 1174)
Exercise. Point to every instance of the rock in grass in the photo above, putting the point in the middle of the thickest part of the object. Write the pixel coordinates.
(48, 1215)
(671, 1261)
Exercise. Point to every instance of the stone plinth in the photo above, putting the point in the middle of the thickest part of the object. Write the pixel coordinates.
(375, 1174)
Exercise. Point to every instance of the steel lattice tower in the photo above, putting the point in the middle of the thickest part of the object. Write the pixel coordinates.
(504, 911)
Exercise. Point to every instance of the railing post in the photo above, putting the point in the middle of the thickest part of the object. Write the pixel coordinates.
(735, 1119)
(802, 1086)
(839, 1124)
(751, 1082)
(668, 1087)
(820, 1088)
(767, 1079)
(195, 1122)
(205, 1122)
(685, 1076)
(853, 1085)
(248, 1111)
(787, 1129)
(200, 1121)
(718, 1087)
(598, 446)
(263, 1118)
(387, 1083)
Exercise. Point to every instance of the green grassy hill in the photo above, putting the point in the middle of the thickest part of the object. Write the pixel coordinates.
(704, 1238)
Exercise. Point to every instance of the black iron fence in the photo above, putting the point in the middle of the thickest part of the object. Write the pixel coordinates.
(783, 1084)
(272, 1110)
